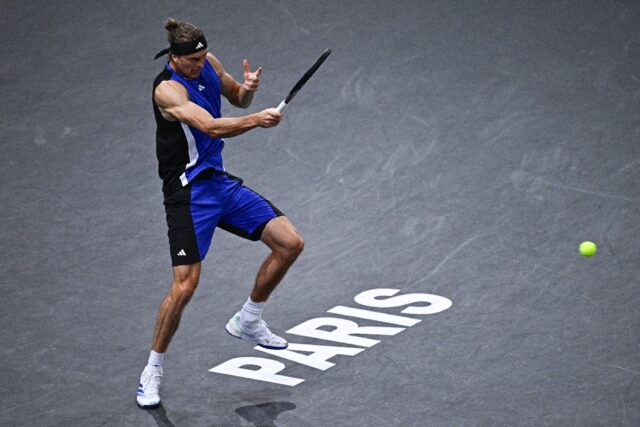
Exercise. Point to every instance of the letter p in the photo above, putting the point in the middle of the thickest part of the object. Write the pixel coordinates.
(267, 370)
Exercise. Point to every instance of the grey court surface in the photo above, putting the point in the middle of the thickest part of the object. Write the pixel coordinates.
(458, 149)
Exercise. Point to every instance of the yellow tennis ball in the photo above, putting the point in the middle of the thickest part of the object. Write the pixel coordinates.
(588, 248)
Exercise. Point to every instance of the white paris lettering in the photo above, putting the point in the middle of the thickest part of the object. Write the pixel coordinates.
(342, 331)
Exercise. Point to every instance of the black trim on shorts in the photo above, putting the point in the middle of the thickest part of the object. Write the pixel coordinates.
(236, 179)
(210, 172)
(183, 244)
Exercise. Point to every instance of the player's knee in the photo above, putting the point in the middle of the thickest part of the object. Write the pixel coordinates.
(298, 245)
(184, 288)
(295, 246)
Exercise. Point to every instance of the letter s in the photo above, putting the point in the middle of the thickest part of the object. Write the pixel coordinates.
(436, 302)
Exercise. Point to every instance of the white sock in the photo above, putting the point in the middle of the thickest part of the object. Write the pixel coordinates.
(155, 359)
(251, 311)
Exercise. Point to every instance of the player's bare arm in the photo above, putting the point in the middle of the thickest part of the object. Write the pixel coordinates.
(239, 95)
(173, 100)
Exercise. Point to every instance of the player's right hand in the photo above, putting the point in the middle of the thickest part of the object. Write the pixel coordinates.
(269, 117)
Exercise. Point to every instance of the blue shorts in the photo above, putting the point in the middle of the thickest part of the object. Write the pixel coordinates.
(213, 199)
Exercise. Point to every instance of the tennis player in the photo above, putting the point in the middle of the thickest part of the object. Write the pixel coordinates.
(200, 195)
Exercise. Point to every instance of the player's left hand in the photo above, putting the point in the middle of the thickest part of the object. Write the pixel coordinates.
(251, 78)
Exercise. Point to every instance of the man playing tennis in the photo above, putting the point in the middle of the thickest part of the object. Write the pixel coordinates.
(200, 196)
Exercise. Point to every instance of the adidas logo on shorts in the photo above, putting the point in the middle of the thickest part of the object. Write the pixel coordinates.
(182, 253)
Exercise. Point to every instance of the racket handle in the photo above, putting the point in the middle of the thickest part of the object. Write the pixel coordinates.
(281, 107)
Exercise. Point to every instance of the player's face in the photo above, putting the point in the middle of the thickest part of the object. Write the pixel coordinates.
(190, 65)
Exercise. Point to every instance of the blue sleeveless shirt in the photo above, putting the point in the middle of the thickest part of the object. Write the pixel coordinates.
(184, 151)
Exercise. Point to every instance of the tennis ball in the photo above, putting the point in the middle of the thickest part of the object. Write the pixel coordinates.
(588, 248)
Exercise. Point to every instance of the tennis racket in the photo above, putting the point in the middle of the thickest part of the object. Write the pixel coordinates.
(303, 80)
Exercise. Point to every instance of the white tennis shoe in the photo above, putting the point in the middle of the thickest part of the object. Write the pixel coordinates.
(257, 332)
(149, 389)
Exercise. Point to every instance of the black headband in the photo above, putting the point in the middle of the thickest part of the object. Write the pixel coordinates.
(186, 48)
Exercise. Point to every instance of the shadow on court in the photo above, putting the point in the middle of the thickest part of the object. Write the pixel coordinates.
(159, 415)
(264, 414)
